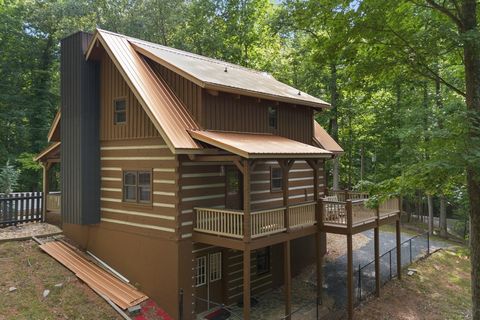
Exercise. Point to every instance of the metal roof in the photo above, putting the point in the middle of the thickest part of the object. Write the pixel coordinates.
(166, 111)
(223, 76)
(255, 145)
(54, 132)
(100, 280)
(324, 140)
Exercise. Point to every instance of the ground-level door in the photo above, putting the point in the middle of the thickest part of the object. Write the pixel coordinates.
(208, 280)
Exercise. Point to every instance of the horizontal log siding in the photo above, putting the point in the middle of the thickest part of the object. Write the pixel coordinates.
(138, 124)
(260, 283)
(300, 185)
(188, 92)
(201, 185)
(246, 114)
(161, 216)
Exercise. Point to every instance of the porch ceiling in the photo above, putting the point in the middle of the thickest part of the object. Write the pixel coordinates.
(257, 146)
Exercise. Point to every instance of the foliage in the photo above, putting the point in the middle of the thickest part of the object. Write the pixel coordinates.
(8, 178)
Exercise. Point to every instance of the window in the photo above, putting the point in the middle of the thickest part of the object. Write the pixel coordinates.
(201, 271)
(120, 111)
(272, 117)
(137, 186)
(263, 260)
(233, 181)
(276, 179)
(215, 266)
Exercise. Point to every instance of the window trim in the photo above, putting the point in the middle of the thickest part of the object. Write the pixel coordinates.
(137, 200)
(215, 269)
(272, 189)
(268, 260)
(275, 108)
(202, 276)
(115, 110)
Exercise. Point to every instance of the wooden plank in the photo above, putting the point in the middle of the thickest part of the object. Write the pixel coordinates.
(287, 265)
(246, 283)
(350, 293)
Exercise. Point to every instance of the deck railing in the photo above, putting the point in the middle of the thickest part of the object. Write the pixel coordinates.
(301, 214)
(229, 223)
(54, 201)
(337, 212)
(220, 222)
(267, 222)
(344, 195)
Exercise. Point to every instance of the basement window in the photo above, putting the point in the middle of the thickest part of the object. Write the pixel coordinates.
(276, 179)
(263, 260)
(120, 111)
(137, 186)
(272, 117)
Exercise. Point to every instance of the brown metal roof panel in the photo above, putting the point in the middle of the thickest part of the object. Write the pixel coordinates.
(253, 145)
(97, 278)
(219, 75)
(167, 112)
(324, 140)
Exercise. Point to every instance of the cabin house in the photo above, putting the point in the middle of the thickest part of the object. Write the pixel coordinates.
(201, 181)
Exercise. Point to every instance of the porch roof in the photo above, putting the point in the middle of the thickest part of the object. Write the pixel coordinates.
(257, 145)
(50, 153)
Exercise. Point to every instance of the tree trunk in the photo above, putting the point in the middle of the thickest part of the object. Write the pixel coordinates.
(334, 122)
(443, 217)
(430, 214)
(471, 55)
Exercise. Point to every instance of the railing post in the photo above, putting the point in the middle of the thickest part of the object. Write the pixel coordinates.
(349, 215)
(246, 201)
(428, 243)
(346, 195)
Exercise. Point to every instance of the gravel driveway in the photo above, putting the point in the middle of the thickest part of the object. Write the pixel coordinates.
(335, 272)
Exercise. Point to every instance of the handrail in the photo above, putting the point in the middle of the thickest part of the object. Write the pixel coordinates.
(267, 210)
(302, 204)
(232, 211)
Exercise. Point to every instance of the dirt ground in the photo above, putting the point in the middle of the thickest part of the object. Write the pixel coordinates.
(337, 244)
(31, 272)
(439, 290)
(28, 230)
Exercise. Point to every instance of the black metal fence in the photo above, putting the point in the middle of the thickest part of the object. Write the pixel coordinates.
(412, 250)
(18, 208)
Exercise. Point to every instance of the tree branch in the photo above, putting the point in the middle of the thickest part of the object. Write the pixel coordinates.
(446, 12)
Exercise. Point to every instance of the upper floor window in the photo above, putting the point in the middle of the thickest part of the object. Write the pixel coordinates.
(273, 117)
(137, 186)
(276, 179)
(120, 111)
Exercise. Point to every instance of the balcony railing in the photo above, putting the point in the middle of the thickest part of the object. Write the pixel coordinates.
(230, 223)
(356, 212)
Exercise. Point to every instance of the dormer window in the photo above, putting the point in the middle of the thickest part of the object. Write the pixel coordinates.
(120, 111)
(272, 117)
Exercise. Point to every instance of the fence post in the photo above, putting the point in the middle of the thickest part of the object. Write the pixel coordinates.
(410, 246)
(359, 282)
(390, 257)
(180, 305)
(349, 216)
(428, 243)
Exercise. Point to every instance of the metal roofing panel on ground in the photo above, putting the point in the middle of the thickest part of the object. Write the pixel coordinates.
(223, 76)
(167, 112)
(324, 140)
(253, 145)
(98, 279)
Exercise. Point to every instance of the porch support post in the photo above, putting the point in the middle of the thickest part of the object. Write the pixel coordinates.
(399, 249)
(377, 260)
(286, 166)
(246, 283)
(288, 279)
(45, 167)
(246, 201)
(349, 276)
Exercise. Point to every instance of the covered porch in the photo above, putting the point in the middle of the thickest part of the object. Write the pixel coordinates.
(247, 229)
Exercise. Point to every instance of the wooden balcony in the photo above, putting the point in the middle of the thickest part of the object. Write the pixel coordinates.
(353, 216)
(230, 223)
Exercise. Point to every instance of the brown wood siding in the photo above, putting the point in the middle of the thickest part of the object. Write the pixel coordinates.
(245, 114)
(113, 86)
(187, 91)
(161, 215)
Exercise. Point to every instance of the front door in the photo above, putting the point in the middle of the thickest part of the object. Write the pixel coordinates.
(233, 186)
(209, 280)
